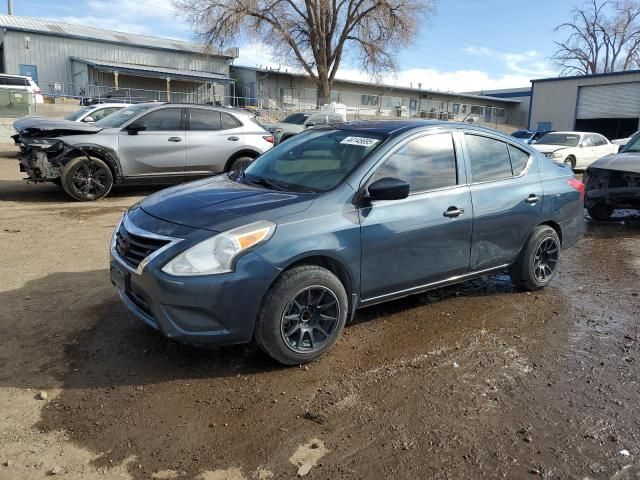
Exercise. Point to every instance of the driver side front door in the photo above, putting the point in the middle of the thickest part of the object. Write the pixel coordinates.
(156, 150)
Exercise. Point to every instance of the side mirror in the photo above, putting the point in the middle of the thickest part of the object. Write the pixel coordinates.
(388, 189)
(88, 119)
(310, 124)
(135, 127)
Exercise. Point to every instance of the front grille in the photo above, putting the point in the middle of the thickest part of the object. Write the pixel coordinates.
(133, 249)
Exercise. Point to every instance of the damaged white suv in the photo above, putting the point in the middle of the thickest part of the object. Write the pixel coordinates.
(150, 142)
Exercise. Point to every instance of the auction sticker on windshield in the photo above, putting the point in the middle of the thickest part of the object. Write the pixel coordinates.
(362, 141)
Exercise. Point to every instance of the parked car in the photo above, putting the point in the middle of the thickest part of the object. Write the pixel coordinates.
(120, 95)
(614, 181)
(20, 83)
(529, 136)
(144, 142)
(93, 113)
(299, 122)
(623, 141)
(577, 150)
(337, 218)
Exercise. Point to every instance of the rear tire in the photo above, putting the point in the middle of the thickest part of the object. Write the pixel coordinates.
(240, 163)
(537, 262)
(600, 212)
(86, 179)
(302, 316)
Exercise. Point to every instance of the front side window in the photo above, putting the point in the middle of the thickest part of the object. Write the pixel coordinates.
(489, 158)
(317, 160)
(74, 116)
(426, 163)
(587, 141)
(162, 120)
(102, 112)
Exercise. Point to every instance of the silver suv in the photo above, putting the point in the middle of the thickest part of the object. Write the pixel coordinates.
(158, 142)
(299, 122)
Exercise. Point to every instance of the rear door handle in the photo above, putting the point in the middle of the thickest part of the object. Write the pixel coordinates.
(453, 212)
(233, 139)
(175, 139)
(532, 199)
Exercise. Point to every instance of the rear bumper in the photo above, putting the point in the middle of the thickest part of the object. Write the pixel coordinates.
(213, 309)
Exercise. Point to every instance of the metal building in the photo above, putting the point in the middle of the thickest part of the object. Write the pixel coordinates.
(67, 59)
(607, 103)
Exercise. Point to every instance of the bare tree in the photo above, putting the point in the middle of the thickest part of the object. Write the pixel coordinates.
(317, 35)
(603, 37)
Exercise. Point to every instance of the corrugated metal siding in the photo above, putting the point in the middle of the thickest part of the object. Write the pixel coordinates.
(609, 101)
(52, 54)
(556, 101)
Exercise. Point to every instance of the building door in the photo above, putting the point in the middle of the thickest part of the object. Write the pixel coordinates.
(413, 107)
(611, 110)
(28, 71)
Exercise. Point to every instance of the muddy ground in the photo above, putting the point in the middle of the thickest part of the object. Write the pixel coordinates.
(473, 381)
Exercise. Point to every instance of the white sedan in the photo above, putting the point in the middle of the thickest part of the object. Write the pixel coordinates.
(93, 113)
(576, 150)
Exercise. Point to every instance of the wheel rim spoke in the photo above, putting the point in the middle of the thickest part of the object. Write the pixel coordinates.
(545, 259)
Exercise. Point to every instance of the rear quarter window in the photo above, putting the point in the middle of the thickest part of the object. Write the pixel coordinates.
(519, 159)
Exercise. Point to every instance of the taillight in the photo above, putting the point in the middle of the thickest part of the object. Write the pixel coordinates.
(268, 138)
(578, 185)
(36, 90)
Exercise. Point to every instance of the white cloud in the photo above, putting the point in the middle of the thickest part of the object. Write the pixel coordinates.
(528, 63)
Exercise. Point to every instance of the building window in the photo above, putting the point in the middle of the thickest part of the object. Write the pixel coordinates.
(464, 108)
(476, 110)
(393, 102)
(456, 108)
(370, 100)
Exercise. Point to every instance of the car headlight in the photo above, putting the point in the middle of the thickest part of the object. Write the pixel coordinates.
(218, 253)
(556, 155)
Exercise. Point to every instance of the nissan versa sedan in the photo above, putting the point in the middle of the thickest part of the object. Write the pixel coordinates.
(339, 218)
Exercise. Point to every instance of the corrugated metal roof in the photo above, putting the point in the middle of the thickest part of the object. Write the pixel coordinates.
(153, 71)
(27, 24)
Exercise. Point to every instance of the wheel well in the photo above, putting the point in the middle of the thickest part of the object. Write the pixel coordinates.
(242, 153)
(556, 227)
(96, 152)
(334, 267)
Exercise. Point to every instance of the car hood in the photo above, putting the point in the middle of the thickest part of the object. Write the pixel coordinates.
(219, 203)
(34, 126)
(289, 127)
(625, 162)
(545, 148)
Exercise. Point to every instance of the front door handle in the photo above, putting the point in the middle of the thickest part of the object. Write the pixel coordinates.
(532, 199)
(233, 139)
(175, 139)
(453, 212)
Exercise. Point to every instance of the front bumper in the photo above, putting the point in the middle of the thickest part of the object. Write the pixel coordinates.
(212, 309)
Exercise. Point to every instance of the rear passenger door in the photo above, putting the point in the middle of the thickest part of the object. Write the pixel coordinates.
(212, 138)
(426, 237)
(507, 198)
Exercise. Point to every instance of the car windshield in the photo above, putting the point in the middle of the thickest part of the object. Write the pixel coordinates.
(121, 116)
(296, 118)
(522, 134)
(315, 161)
(74, 116)
(633, 145)
(563, 139)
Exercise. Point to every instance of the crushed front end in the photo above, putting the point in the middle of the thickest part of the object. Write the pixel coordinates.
(615, 188)
(43, 159)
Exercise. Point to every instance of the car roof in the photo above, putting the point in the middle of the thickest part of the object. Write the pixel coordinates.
(105, 105)
(14, 76)
(395, 127)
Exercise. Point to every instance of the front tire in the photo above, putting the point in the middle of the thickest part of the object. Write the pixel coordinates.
(240, 163)
(600, 212)
(86, 179)
(537, 263)
(302, 316)
(570, 162)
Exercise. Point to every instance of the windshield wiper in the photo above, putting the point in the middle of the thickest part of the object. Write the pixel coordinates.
(266, 182)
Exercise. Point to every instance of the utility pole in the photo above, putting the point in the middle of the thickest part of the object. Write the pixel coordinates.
(10, 7)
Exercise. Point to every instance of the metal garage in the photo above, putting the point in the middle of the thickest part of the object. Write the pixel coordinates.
(613, 110)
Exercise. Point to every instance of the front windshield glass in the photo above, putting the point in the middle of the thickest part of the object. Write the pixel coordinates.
(563, 139)
(315, 161)
(74, 116)
(633, 145)
(296, 118)
(118, 118)
(521, 134)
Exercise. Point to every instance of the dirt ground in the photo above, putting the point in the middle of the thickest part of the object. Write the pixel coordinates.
(473, 381)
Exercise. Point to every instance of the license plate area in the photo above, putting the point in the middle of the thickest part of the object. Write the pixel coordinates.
(120, 277)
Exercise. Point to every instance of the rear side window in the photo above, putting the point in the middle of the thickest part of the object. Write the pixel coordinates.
(335, 119)
(229, 121)
(426, 163)
(164, 119)
(13, 81)
(599, 140)
(202, 119)
(519, 160)
(489, 158)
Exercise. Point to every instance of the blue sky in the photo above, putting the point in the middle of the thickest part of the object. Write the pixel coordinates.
(467, 45)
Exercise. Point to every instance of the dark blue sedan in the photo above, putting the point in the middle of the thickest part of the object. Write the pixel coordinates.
(339, 218)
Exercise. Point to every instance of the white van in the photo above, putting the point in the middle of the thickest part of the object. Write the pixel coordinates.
(21, 83)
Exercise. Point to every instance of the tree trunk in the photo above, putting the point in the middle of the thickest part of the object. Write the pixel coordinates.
(324, 90)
